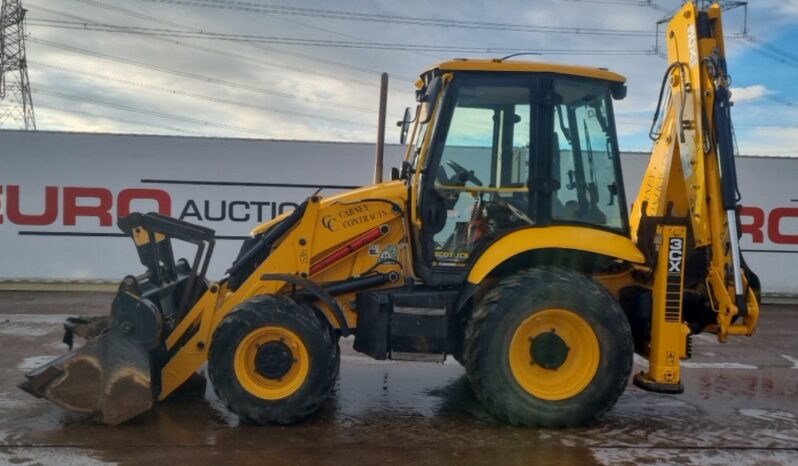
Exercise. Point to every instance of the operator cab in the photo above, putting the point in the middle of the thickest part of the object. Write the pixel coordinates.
(503, 145)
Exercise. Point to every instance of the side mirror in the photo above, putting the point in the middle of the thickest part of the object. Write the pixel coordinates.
(618, 91)
(404, 173)
(394, 173)
(428, 100)
(405, 126)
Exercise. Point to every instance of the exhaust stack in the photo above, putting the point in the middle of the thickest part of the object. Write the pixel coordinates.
(381, 128)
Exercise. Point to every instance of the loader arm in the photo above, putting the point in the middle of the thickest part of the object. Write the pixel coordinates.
(691, 178)
(301, 257)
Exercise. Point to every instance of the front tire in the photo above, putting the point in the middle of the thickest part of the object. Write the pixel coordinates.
(273, 361)
(548, 347)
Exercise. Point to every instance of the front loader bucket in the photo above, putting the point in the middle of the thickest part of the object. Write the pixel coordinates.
(111, 376)
(108, 377)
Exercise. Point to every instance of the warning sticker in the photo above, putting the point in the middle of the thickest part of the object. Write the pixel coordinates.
(389, 253)
(374, 250)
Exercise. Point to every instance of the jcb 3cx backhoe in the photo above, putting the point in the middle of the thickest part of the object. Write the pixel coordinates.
(503, 241)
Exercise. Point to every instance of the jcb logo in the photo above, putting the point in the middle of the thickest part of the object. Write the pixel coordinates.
(675, 253)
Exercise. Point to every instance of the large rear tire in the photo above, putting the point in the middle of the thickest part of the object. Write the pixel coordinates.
(273, 361)
(548, 347)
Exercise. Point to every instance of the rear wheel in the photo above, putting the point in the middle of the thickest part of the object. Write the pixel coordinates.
(548, 347)
(273, 361)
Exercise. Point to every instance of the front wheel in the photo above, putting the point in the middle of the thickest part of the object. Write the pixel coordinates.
(273, 361)
(548, 347)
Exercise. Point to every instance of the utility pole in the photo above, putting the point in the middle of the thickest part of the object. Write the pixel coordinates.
(16, 105)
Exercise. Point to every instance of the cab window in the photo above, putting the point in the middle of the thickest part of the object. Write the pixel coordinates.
(584, 162)
(483, 169)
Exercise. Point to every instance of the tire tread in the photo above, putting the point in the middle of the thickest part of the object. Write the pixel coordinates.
(265, 308)
(477, 342)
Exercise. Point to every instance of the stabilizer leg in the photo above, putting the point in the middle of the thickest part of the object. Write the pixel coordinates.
(668, 333)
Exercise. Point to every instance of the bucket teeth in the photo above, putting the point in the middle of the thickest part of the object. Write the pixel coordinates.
(38, 379)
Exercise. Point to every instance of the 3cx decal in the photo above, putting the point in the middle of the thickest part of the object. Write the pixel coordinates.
(675, 253)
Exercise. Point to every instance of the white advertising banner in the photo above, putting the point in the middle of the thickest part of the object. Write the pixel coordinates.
(61, 194)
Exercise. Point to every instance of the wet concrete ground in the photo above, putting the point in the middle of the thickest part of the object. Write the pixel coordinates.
(740, 407)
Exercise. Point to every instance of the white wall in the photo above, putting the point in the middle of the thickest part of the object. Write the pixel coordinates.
(253, 179)
(770, 215)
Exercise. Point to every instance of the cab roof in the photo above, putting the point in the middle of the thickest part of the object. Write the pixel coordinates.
(499, 65)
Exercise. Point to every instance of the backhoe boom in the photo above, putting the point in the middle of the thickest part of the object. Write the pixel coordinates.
(691, 178)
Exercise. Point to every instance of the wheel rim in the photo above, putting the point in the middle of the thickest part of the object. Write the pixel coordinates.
(261, 366)
(554, 354)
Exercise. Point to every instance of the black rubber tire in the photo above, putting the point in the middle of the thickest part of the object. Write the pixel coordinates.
(318, 337)
(510, 302)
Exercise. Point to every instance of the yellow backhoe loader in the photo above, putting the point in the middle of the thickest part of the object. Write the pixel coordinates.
(503, 240)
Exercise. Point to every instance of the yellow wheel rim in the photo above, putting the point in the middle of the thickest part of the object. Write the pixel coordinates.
(571, 375)
(254, 381)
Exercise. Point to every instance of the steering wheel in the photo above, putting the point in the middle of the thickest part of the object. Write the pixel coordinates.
(462, 174)
(516, 211)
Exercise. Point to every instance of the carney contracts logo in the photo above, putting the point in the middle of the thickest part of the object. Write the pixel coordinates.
(352, 216)
(328, 222)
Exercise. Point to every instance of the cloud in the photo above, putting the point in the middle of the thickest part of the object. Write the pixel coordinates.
(750, 93)
(788, 8)
(326, 81)
(776, 140)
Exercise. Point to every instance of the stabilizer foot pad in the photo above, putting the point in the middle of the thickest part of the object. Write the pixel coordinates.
(642, 380)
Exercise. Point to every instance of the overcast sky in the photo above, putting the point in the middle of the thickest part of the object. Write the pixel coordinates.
(331, 93)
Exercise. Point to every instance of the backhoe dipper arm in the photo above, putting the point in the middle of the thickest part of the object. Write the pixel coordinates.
(691, 177)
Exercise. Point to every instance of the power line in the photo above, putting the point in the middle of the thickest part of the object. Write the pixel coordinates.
(198, 77)
(337, 33)
(327, 61)
(134, 14)
(246, 58)
(762, 48)
(781, 100)
(319, 42)
(229, 53)
(767, 50)
(768, 96)
(784, 59)
(249, 58)
(771, 51)
(394, 19)
(640, 3)
(169, 116)
(119, 120)
(199, 96)
(301, 56)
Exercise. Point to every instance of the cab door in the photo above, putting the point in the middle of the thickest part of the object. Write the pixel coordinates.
(475, 185)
